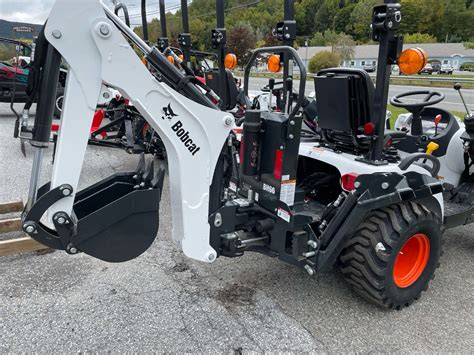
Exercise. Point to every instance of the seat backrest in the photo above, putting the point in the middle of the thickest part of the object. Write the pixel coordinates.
(212, 80)
(344, 98)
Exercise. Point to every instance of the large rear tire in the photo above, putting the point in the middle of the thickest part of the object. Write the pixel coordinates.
(393, 255)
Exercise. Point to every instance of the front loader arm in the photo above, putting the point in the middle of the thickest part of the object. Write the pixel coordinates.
(193, 134)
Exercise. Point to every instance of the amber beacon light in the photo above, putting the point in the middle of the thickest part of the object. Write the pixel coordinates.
(412, 61)
(273, 63)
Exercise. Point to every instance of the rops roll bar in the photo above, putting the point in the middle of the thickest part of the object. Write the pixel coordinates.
(291, 52)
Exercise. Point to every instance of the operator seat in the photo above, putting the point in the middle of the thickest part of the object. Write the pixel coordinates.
(344, 98)
(231, 91)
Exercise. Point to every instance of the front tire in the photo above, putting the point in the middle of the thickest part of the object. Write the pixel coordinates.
(393, 254)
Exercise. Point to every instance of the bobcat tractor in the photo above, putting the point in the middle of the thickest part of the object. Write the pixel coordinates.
(338, 195)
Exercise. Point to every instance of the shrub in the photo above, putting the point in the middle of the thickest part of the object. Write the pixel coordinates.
(468, 66)
(323, 60)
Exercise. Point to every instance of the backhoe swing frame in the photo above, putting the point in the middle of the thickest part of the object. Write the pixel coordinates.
(93, 40)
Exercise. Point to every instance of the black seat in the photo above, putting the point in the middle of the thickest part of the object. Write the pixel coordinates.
(344, 98)
(231, 92)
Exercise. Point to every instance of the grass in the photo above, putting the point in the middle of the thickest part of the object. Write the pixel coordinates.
(396, 111)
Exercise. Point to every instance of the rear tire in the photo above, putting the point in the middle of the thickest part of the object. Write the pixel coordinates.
(370, 260)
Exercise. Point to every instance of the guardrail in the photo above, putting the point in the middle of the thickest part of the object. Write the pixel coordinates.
(416, 80)
(430, 78)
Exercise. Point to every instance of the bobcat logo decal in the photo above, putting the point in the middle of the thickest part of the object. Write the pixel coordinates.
(168, 113)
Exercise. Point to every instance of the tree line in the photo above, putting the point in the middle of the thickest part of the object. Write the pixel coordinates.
(336, 23)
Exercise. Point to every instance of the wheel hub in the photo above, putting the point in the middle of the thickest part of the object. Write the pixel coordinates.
(411, 260)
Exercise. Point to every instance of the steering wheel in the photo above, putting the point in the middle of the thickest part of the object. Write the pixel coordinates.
(416, 108)
(432, 98)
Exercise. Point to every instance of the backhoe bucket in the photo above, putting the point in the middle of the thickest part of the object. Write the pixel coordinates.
(115, 219)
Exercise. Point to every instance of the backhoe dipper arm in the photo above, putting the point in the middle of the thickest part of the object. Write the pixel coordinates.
(86, 34)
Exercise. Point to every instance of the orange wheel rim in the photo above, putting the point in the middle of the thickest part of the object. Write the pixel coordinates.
(411, 260)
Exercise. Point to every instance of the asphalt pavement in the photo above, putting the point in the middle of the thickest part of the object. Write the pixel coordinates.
(452, 100)
(164, 302)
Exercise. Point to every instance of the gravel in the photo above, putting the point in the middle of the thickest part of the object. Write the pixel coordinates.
(164, 302)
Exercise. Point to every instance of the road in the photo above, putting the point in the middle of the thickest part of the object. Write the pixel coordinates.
(164, 302)
(452, 100)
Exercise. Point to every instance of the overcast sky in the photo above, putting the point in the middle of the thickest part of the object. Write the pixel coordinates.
(36, 11)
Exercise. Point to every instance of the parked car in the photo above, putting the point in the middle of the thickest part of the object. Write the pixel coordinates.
(436, 66)
(428, 69)
(370, 68)
(446, 69)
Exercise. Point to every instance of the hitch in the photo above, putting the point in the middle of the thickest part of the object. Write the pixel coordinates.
(114, 220)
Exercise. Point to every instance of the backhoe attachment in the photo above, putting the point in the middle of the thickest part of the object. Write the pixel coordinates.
(117, 218)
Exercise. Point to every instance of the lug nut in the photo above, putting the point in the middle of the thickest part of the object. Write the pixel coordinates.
(66, 192)
(61, 220)
(312, 244)
(309, 254)
(385, 185)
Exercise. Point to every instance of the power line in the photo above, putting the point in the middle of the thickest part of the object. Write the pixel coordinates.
(155, 12)
(175, 7)
(208, 14)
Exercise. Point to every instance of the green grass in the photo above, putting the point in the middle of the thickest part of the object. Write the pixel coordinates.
(396, 111)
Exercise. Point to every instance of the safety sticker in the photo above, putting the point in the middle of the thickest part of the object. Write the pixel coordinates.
(284, 215)
(287, 192)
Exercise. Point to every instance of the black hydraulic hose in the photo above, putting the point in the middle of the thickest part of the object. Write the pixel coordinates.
(144, 22)
(174, 78)
(121, 6)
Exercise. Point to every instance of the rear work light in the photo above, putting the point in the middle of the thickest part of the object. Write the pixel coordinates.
(348, 181)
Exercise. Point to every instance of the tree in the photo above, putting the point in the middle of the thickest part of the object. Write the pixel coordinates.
(361, 18)
(317, 40)
(419, 38)
(323, 60)
(241, 40)
(344, 46)
(343, 18)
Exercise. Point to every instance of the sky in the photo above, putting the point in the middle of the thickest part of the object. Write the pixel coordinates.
(36, 11)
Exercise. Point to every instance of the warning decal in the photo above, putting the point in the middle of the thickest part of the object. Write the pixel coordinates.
(287, 192)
